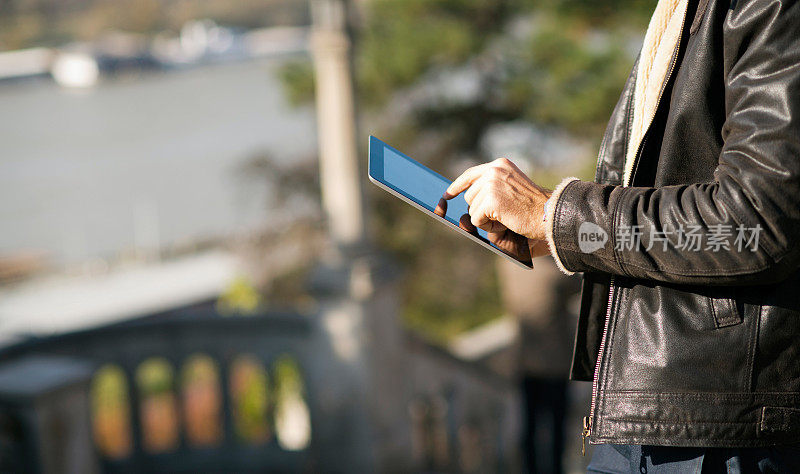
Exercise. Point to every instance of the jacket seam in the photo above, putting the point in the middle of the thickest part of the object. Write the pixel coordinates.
(697, 395)
(751, 381)
(750, 349)
(719, 442)
(615, 223)
(713, 312)
(679, 422)
(743, 271)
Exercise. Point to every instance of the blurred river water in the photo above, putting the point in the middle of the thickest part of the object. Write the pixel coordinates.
(141, 162)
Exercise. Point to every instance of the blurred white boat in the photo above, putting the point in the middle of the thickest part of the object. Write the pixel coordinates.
(78, 70)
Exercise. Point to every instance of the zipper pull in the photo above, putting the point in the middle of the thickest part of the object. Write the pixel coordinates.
(587, 431)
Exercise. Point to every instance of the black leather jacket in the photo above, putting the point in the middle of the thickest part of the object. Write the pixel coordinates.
(688, 346)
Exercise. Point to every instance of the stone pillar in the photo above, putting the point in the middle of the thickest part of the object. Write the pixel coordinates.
(45, 416)
(336, 123)
(342, 282)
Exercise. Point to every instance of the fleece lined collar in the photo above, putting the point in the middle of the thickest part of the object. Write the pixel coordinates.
(660, 43)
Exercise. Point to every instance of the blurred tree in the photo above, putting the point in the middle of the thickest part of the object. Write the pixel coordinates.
(553, 63)
(240, 298)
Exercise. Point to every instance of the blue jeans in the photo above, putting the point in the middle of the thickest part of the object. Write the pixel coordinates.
(633, 459)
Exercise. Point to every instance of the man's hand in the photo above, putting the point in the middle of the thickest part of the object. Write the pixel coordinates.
(506, 204)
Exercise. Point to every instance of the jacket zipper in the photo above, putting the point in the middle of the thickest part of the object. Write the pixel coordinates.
(588, 420)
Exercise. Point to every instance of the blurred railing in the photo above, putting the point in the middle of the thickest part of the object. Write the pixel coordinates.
(193, 391)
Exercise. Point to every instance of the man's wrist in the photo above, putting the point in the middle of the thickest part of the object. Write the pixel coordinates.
(540, 228)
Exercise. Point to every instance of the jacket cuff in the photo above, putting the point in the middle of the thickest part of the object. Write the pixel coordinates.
(549, 218)
(583, 226)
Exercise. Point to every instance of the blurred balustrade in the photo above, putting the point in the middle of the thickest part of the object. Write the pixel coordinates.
(190, 390)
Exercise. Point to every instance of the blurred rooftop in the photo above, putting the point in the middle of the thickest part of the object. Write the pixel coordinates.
(60, 304)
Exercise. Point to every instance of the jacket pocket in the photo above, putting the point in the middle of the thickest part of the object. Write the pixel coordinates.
(666, 339)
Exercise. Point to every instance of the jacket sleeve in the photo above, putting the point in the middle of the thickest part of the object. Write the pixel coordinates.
(756, 189)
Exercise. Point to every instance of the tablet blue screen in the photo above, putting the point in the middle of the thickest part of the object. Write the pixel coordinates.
(421, 184)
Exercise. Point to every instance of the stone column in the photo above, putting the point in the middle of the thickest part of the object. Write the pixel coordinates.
(337, 282)
(336, 124)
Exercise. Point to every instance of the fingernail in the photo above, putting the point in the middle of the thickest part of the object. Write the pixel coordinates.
(441, 208)
(466, 223)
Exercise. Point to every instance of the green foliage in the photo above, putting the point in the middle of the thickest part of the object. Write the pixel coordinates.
(555, 63)
(442, 305)
(239, 298)
(109, 388)
(566, 73)
(288, 377)
(402, 39)
(252, 408)
(405, 38)
(608, 14)
(297, 79)
(562, 79)
(154, 377)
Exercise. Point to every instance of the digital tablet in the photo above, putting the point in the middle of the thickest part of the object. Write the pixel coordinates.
(422, 188)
